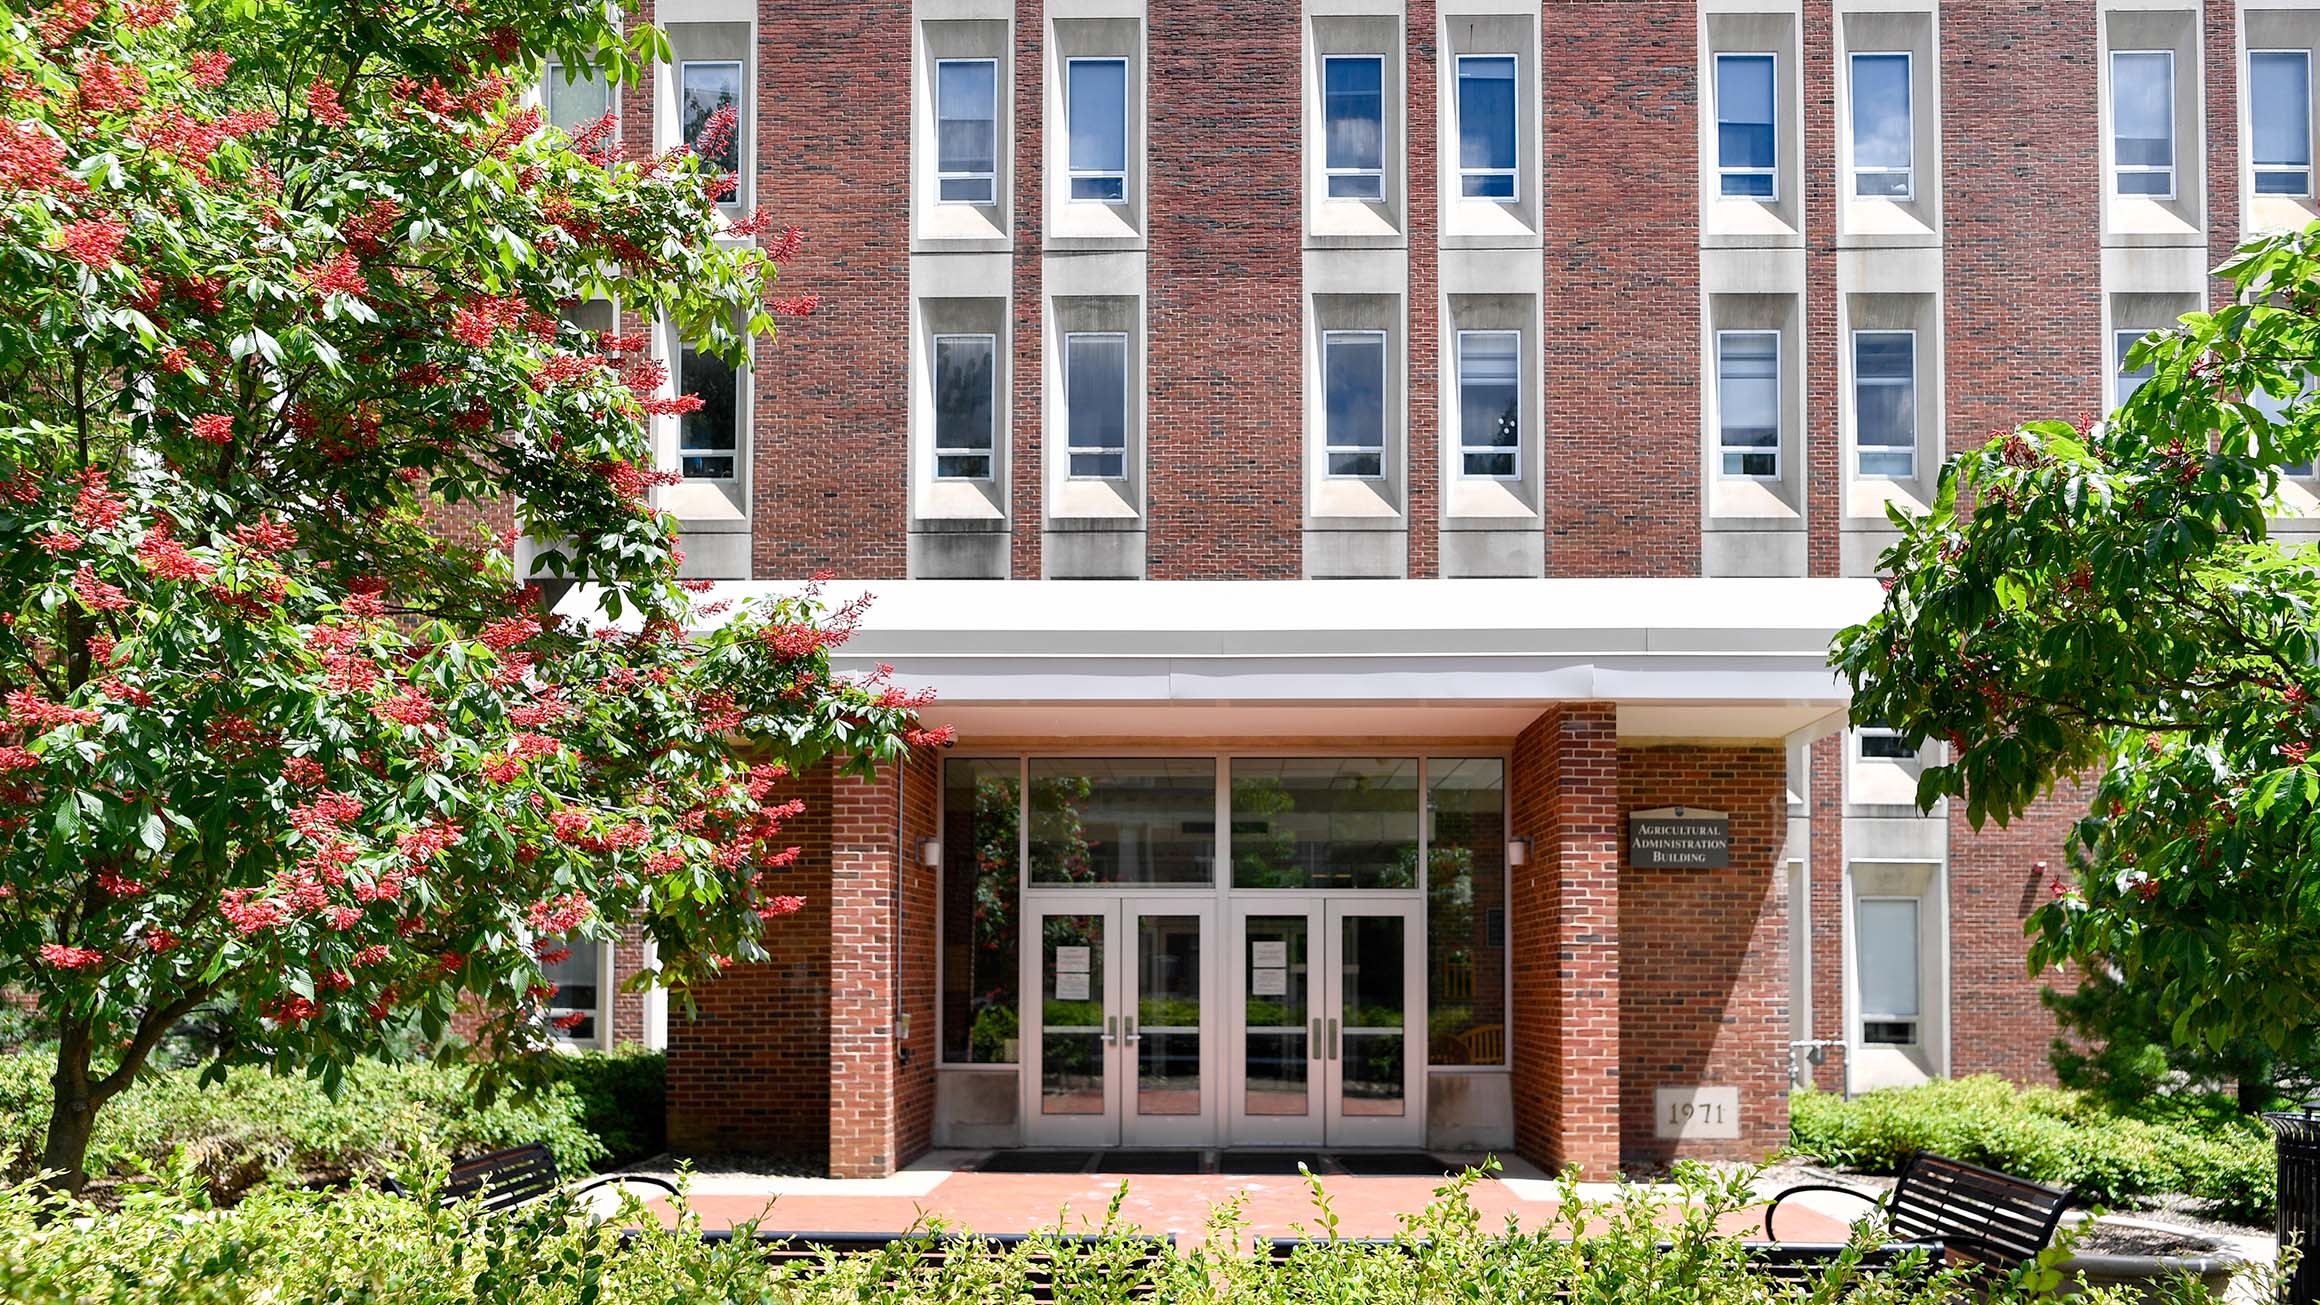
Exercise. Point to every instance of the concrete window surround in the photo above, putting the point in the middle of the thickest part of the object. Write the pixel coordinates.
(1871, 1065)
(1752, 220)
(959, 523)
(1867, 494)
(1352, 222)
(2178, 215)
(1492, 525)
(2284, 29)
(1357, 525)
(2132, 316)
(710, 34)
(1093, 523)
(1092, 223)
(1914, 217)
(1753, 519)
(1475, 30)
(937, 224)
(714, 515)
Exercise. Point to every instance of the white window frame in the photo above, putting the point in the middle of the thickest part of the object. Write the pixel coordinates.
(1908, 170)
(1771, 171)
(1513, 175)
(998, 142)
(742, 422)
(1329, 175)
(552, 72)
(741, 160)
(2123, 338)
(1860, 449)
(1780, 406)
(2311, 146)
(1865, 1017)
(1072, 448)
(1864, 733)
(1467, 448)
(2174, 145)
(989, 453)
(1127, 143)
(1385, 435)
(602, 1037)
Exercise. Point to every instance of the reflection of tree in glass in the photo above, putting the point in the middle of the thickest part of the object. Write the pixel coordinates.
(1264, 852)
(706, 91)
(994, 1022)
(1060, 851)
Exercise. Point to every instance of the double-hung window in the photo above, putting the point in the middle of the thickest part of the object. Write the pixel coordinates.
(1096, 119)
(966, 112)
(1486, 126)
(576, 1008)
(965, 370)
(573, 103)
(709, 437)
(1886, 942)
(1490, 404)
(1747, 139)
(2280, 121)
(1748, 403)
(2143, 123)
(2130, 379)
(1885, 402)
(1883, 133)
(1353, 126)
(706, 86)
(1353, 388)
(1095, 401)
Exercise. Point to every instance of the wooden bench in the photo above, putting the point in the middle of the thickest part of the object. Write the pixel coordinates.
(1793, 1264)
(520, 1175)
(932, 1249)
(1975, 1214)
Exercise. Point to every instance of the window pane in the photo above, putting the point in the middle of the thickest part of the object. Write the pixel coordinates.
(1886, 933)
(1885, 745)
(1354, 398)
(1129, 821)
(2143, 118)
(1353, 103)
(981, 818)
(1885, 401)
(1881, 126)
(1490, 396)
(964, 371)
(1466, 912)
(708, 87)
(2280, 120)
(1486, 118)
(1745, 135)
(1331, 822)
(1071, 1029)
(2129, 381)
(575, 104)
(708, 438)
(1098, 113)
(1748, 400)
(1095, 391)
(966, 118)
(578, 979)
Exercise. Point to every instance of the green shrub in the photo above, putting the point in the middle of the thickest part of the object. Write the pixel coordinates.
(255, 1127)
(623, 1096)
(2046, 1135)
(163, 1247)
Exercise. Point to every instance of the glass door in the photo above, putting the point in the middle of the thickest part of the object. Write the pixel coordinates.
(1373, 1028)
(1273, 1086)
(1166, 1026)
(1328, 998)
(1072, 1029)
(1120, 1042)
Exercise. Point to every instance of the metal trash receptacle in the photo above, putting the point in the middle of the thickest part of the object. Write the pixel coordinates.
(2296, 1134)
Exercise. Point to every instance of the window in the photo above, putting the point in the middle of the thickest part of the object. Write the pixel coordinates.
(576, 1007)
(2275, 411)
(2280, 121)
(1747, 143)
(1142, 820)
(1325, 822)
(966, 111)
(577, 104)
(2143, 122)
(1486, 132)
(981, 927)
(1883, 743)
(1885, 402)
(706, 86)
(1883, 135)
(2130, 380)
(1748, 402)
(1490, 403)
(1466, 911)
(965, 371)
(1096, 114)
(1885, 940)
(1353, 126)
(708, 438)
(1095, 399)
(1353, 387)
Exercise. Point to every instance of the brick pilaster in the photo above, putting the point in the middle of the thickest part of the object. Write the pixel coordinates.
(864, 819)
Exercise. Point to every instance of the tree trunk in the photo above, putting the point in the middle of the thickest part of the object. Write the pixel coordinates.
(72, 1116)
(2255, 1093)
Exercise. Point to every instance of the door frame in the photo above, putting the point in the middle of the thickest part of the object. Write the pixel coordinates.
(1409, 1127)
(1101, 1129)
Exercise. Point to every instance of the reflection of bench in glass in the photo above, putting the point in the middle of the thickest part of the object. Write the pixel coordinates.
(1484, 1044)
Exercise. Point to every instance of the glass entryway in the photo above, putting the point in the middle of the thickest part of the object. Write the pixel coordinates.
(1119, 1043)
(1328, 1041)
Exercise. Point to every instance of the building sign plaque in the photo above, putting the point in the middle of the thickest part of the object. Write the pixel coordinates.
(1679, 838)
(1710, 1112)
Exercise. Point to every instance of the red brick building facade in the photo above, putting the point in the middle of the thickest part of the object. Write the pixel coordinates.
(1377, 414)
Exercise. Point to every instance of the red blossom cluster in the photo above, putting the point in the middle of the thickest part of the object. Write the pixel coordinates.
(322, 102)
(216, 428)
(65, 957)
(303, 772)
(798, 305)
(409, 707)
(92, 242)
(560, 915)
(108, 87)
(95, 594)
(428, 841)
(33, 160)
(166, 559)
(209, 68)
(249, 914)
(291, 1009)
(143, 14)
(633, 482)
(96, 507)
(33, 714)
(65, 19)
(338, 276)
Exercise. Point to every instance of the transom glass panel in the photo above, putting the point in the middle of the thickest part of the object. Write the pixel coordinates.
(1139, 820)
(1326, 822)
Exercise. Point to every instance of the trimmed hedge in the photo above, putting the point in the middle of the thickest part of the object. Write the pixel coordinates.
(163, 1248)
(2046, 1135)
(255, 1127)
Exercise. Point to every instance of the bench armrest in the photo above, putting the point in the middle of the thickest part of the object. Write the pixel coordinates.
(1875, 1202)
(626, 1180)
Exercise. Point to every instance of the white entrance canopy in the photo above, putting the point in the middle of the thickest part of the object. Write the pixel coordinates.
(1120, 660)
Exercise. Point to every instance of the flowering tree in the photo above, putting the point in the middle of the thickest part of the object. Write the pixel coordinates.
(2113, 606)
(278, 282)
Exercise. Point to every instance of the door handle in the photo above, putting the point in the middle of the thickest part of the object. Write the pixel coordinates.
(1111, 1028)
(1316, 1037)
(1132, 1031)
(1333, 1039)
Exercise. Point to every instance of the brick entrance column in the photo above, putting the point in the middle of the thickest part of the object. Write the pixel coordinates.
(881, 1081)
(1565, 909)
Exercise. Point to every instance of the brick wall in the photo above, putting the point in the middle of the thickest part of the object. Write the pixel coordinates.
(1703, 954)
(1825, 915)
(1997, 1024)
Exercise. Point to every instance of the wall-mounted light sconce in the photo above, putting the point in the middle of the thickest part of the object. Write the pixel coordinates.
(1518, 851)
(930, 852)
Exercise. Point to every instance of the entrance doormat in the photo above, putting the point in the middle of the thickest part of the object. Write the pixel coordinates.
(1036, 1162)
(1151, 1162)
(1392, 1164)
(1270, 1162)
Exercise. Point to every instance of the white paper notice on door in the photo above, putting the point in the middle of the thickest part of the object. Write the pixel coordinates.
(1268, 981)
(1071, 987)
(1269, 955)
(1072, 960)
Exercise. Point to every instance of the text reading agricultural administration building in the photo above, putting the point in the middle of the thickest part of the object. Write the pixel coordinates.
(1373, 484)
